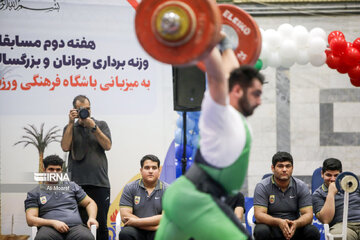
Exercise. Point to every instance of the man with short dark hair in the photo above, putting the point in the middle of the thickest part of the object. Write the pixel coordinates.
(86, 140)
(282, 204)
(140, 203)
(56, 212)
(245, 89)
(328, 202)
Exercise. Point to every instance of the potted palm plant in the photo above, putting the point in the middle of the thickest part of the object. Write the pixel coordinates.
(39, 139)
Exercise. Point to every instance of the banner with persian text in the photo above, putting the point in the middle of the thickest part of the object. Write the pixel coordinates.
(51, 51)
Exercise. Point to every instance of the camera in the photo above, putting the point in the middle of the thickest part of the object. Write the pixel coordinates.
(83, 113)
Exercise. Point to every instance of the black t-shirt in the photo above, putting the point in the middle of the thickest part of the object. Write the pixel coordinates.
(236, 201)
(88, 164)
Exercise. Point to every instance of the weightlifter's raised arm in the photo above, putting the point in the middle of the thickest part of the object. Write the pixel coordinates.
(218, 68)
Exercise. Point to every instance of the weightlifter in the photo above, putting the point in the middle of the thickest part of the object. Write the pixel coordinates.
(194, 204)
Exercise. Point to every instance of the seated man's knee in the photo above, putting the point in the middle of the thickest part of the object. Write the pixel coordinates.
(128, 233)
(79, 232)
(351, 234)
(87, 236)
(262, 231)
(37, 237)
(45, 233)
(311, 232)
(337, 229)
(41, 237)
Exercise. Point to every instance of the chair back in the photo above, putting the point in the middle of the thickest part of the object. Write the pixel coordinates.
(267, 175)
(316, 180)
(249, 214)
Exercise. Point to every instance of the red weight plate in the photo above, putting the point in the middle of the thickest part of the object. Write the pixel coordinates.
(247, 31)
(215, 38)
(207, 22)
(249, 47)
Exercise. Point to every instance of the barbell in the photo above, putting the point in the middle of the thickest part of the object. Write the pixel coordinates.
(182, 32)
(347, 182)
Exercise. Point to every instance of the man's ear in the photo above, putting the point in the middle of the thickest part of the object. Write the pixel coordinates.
(272, 168)
(237, 91)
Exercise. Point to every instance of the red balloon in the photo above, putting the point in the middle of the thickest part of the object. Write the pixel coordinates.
(343, 68)
(327, 52)
(356, 44)
(355, 82)
(333, 61)
(354, 72)
(335, 34)
(338, 46)
(351, 56)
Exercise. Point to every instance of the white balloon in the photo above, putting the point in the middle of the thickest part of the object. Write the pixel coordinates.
(300, 28)
(317, 59)
(318, 32)
(273, 48)
(272, 37)
(285, 30)
(265, 51)
(274, 60)
(302, 57)
(316, 45)
(287, 62)
(268, 32)
(300, 36)
(288, 49)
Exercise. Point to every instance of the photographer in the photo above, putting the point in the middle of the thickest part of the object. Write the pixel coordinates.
(87, 139)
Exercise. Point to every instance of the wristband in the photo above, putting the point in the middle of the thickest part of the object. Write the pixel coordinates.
(225, 44)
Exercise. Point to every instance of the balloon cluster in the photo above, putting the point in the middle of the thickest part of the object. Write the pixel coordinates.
(344, 56)
(289, 45)
(192, 139)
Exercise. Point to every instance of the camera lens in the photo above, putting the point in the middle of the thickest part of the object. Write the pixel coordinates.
(83, 113)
